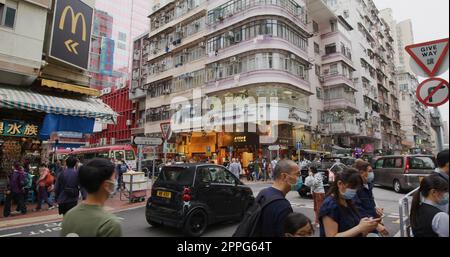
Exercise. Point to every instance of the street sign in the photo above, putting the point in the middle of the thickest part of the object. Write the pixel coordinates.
(433, 92)
(165, 130)
(429, 55)
(71, 33)
(147, 141)
(274, 147)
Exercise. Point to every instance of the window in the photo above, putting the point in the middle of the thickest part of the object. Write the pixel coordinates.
(330, 49)
(315, 27)
(421, 163)
(379, 164)
(319, 93)
(119, 155)
(8, 14)
(398, 162)
(389, 163)
(203, 175)
(122, 36)
(316, 48)
(129, 155)
(221, 176)
(317, 69)
(333, 25)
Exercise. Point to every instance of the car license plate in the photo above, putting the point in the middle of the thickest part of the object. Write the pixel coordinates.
(164, 194)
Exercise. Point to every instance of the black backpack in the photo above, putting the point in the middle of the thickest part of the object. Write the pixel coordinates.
(249, 226)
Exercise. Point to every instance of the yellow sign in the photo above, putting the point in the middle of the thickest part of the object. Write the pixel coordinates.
(240, 139)
(74, 21)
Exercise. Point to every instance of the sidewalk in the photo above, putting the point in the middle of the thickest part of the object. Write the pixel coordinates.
(114, 204)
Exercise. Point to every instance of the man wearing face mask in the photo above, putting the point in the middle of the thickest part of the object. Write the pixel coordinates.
(89, 219)
(442, 161)
(286, 179)
(364, 199)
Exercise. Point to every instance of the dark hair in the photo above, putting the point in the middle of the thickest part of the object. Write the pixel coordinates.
(434, 181)
(43, 165)
(295, 221)
(313, 169)
(94, 173)
(349, 176)
(71, 161)
(361, 165)
(16, 165)
(442, 158)
(283, 166)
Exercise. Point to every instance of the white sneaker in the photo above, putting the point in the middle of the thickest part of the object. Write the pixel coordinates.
(51, 208)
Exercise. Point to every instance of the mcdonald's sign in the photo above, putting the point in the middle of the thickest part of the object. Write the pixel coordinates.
(71, 32)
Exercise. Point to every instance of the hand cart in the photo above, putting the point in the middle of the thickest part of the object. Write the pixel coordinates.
(135, 187)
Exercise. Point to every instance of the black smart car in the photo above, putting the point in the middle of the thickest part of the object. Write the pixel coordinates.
(193, 196)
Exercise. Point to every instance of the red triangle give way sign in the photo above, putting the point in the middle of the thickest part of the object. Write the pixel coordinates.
(429, 55)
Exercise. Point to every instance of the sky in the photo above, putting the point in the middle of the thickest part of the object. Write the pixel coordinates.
(430, 21)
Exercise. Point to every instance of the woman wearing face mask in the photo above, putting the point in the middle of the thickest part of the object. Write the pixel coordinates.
(89, 219)
(364, 199)
(427, 219)
(298, 225)
(338, 216)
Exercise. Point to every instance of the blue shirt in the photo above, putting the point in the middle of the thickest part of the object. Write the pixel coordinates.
(345, 217)
(274, 214)
(365, 202)
(70, 180)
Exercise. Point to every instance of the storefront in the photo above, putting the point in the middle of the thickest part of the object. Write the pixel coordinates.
(244, 146)
(29, 117)
(18, 141)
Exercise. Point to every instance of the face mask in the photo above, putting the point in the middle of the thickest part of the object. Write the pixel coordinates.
(371, 177)
(444, 199)
(113, 191)
(297, 185)
(349, 193)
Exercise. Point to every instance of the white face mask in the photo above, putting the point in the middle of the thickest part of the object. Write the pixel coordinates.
(114, 190)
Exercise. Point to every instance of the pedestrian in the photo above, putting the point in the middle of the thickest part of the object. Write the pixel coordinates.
(273, 164)
(250, 170)
(442, 160)
(67, 188)
(298, 225)
(427, 218)
(15, 191)
(338, 216)
(89, 219)
(364, 199)
(264, 169)
(256, 169)
(235, 168)
(44, 183)
(274, 214)
(315, 182)
(121, 168)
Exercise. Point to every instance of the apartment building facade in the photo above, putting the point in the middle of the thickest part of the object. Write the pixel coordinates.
(329, 63)
(415, 118)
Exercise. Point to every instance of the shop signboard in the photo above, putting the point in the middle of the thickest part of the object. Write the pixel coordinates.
(16, 128)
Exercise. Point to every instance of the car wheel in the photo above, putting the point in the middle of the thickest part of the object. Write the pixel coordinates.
(196, 223)
(397, 186)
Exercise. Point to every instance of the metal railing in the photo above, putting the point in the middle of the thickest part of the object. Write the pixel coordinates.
(404, 210)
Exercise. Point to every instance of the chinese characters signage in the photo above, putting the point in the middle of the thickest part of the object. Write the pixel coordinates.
(107, 56)
(18, 128)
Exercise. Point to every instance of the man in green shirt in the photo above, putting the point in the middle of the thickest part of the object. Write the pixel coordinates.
(89, 219)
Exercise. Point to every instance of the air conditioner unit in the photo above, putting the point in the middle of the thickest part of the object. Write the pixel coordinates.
(201, 44)
(185, 51)
(293, 56)
(113, 141)
(233, 59)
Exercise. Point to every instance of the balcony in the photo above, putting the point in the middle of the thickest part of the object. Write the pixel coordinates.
(342, 128)
(336, 57)
(334, 78)
(236, 11)
(262, 76)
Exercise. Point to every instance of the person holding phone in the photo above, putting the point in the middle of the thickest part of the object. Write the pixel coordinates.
(364, 199)
(338, 215)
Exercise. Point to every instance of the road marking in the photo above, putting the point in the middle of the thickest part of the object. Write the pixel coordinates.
(13, 234)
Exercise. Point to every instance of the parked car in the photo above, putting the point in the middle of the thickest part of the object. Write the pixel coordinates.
(403, 172)
(324, 168)
(192, 196)
(147, 167)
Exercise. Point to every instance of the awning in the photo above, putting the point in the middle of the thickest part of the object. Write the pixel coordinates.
(27, 99)
(70, 87)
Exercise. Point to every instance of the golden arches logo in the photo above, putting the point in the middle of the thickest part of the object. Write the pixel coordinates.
(74, 21)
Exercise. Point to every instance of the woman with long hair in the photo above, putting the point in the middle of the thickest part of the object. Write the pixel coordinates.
(427, 217)
(338, 216)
